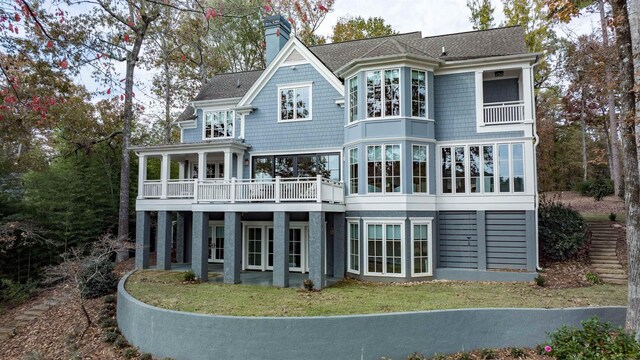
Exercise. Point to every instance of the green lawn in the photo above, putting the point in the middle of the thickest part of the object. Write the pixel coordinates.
(596, 217)
(165, 290)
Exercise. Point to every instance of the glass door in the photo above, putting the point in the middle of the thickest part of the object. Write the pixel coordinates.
(254, 248)
(216, 238)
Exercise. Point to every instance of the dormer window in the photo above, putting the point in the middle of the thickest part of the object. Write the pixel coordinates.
(295, 103)
(218, 124)
(383, 93)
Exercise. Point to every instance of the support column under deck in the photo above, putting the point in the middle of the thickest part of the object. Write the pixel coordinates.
(180, 236)
(163, 241)
(339, 245)
(200, 245)
(281, 249)
(143, 239)
(317, 248)
(232, 247)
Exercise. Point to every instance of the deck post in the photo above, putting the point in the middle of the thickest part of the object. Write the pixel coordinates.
(164, 240)
(142, 174)
(319, 188)
(165, 168)
(317, 248)
(200, 245)
(232, 247)
(143, 239)
(281, 249)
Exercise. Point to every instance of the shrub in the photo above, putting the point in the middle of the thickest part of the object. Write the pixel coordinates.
(517, 353)
(416, 356)
(96, 278)
(110, 337)
(612, 216)
(189, 276)
(438, 356)
(110, 299)
(107, 322)
(561, 230)
(593, 278)
(121, 342)
(14, 293)
(583, 187)
(308, 284)
(601, 187)
(129, 353)
(145, 356)
(488, 354)
(540, 280)
(594, 340)
(464, 356)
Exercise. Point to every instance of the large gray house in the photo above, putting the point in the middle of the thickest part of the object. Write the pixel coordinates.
(396, 158)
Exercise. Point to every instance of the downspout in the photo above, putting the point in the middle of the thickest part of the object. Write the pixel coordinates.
(535, 163)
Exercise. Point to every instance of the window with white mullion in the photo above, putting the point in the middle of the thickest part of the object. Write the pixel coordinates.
(384, 169)
(295, 103)
(353, 171)
(419, 168)
(385, 253)
(475, 166)
(353, 99)
(488, 168)
(422, 257)
(418, 94)
(354, 246)
(383, 93)
(517, 166)
(374, 169)
(219, 124)
(392, 168)
(504, 168)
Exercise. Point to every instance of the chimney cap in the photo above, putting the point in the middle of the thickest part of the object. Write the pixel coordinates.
(276, 20)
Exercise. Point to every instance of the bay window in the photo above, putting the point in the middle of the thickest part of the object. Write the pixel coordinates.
(383, 167)
(383, 93)
(295, 103)
(218, 124)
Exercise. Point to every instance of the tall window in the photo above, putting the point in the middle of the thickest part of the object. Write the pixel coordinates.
(421, 239)
(383, 93)
(454, 170)
(474, 169)
(418, 94)
(353, 171)
(460, 169)
(383, 169)
(218, 124)
(353, 99)
(503, 167)
(384, 249)
(487, 166)
(302, 165)
(419, 168)
(295, 103)
(517, 159)
(354, 247)
(447, 175)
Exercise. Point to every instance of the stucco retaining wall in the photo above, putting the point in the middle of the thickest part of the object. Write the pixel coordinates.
(181, 335)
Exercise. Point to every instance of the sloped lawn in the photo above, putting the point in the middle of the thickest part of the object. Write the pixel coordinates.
(166, 290)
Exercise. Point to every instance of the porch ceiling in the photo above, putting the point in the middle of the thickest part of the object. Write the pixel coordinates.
(209, 146)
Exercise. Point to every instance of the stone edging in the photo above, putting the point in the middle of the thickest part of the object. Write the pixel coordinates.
(181, 335)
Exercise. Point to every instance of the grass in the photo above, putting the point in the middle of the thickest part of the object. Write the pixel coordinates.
(597, 217)
(165, 290)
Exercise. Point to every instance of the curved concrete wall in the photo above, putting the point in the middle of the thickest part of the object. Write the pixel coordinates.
(180, 335)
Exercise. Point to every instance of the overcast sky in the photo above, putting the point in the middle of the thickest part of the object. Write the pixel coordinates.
(431, 17)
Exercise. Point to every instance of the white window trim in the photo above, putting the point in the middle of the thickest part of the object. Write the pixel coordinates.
(349, 264)
(427, 170)
(204, 125)
(295, 86)
(212, 225)
(384, 222)
(426, 95)
(348, 102)
(351, 176)
(496, 158)
(400, 94)
(265, 226)
(422, 221)
(384, 174)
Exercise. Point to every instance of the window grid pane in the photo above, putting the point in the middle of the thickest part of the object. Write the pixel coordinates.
(488, 172)
(392, 168)
(374, 94)
(503, 167)
(374, 246)
(418, 94)
(419, 169)
(392, 92)
(353, 171)
(353, 99)
(421, 249)
(517, 158)
(354, 247)
(460, 169)
(374, 169)
(447, 176)
(474, 169)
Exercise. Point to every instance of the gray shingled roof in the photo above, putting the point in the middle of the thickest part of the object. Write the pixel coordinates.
(187, 114)
(230, 85)
(459, 46)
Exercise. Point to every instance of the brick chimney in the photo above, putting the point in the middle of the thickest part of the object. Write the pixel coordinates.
(276, 34)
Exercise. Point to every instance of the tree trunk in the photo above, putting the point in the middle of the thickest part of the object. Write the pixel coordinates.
(634, 25)
(123, 212)
(167, 92)
(630, 159)
(613, 123)
(583, 124)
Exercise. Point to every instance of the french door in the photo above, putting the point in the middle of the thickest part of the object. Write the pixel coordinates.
(258, 245)
(216, 243)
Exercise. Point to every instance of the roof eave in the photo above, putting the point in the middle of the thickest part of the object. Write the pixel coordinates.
(215, 102)
(346, 69)
(531, 57)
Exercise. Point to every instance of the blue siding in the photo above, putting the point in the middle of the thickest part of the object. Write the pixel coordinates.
(455, 109)
(457, 240)
(193, 135)
(325, 130)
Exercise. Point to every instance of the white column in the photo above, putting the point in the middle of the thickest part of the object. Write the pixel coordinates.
(165, 173)
(240, 166)
(228, 158)
(142, 174)
(479, 99)
(181, 170)
(202, 165)
(242, 126)
(527, 93)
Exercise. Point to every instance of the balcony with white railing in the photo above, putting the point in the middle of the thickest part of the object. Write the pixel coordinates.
(508, 112)
(276, 190)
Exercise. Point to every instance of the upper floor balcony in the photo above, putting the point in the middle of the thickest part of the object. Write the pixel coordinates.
(504, 95)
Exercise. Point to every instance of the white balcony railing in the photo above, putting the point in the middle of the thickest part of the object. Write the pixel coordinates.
(249, 190)
(503, 112)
